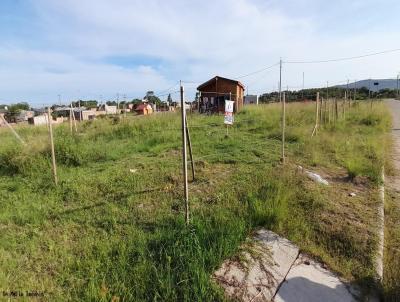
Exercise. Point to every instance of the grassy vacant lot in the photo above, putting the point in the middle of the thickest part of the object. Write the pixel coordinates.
(114, 227)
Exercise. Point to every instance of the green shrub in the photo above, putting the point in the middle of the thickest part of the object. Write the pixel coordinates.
(19, 160)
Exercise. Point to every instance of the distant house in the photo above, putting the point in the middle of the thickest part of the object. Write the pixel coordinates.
(84, 115)
(19, 117)
(110, 109)
(144, 109)
(251, 99)
(216, 91)
(38, 120)
(62, 111)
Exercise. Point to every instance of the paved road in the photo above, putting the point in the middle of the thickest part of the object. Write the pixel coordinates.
(394, 182)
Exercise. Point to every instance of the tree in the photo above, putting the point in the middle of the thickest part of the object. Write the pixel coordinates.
(136, 101)
(87, 104)
(90, 104)
(14, 108)
(169, 99)
(151, 98)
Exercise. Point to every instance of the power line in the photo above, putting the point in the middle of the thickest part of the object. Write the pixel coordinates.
(168, 89)
(257, 71)
(343, 59)
(171, 92)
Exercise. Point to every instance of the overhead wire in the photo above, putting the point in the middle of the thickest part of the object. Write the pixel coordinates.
(342, 59)
(257, 71)
(168, 89)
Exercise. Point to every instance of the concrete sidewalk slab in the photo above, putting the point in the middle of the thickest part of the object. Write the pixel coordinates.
(256, 273)
(308, 281)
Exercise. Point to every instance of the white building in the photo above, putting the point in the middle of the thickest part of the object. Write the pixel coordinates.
(38, 120)
(110, 109)
(251, 99)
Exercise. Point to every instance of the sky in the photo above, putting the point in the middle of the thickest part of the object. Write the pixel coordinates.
(53, 51)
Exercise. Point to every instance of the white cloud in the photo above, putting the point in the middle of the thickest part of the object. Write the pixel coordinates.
(41, 76)
(192, 40)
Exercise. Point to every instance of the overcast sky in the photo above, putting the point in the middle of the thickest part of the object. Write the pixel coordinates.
(92, 49)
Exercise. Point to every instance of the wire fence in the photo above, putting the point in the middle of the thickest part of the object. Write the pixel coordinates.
(292, 120)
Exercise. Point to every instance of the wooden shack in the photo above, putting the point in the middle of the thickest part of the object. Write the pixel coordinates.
(216, 91)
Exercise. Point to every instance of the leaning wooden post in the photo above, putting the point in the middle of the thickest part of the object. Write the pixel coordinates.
(13, 131)
(283, 127)
(184, 155)
(53, 154)
(316, 116)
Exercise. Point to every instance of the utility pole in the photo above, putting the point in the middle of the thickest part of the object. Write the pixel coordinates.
(302, 92)
(59, 99)
(398, 94)
(184, 154)
(280, 80)
(283, 128)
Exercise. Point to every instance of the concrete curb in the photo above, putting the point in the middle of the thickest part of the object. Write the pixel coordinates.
(381, 229)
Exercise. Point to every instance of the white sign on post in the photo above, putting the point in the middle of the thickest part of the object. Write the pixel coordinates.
(229, 106)
(228, 119)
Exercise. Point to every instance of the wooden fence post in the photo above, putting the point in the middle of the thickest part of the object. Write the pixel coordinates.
(53, 154)
(316, 116)
(73, 117)
(321, 120)
(184, 154)
(336, 110)
(70, 119)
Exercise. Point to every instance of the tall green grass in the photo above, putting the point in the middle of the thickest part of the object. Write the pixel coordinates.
(113, 227)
